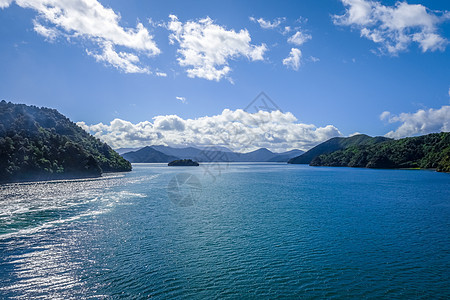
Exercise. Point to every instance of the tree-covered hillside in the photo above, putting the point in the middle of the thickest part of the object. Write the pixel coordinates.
(334, 144)
(40, 144)
(427, 151)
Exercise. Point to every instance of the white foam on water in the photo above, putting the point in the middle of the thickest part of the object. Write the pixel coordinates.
(30, 202)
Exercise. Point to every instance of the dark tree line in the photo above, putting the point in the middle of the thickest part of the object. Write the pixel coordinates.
(40, 143)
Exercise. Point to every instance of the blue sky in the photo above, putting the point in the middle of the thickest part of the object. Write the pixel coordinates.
(333, 67)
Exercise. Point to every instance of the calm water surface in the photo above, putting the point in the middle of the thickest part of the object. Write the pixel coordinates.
(228, 231)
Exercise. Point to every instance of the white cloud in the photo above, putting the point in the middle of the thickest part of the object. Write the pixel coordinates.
(182, 99)
(287, 29)
(268, 24)
(238, 130)
(395, 27)
(206, 48)
(420, 122)
(50, 34)
(299, 38)
(91, 21)
(294, 59)
(5, 3)
(161, 74)
(385, 115)
(354, 133)
(127, 62)
(314, 59)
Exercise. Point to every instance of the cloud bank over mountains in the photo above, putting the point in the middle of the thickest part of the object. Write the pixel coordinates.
(243, 131)
(238, 130)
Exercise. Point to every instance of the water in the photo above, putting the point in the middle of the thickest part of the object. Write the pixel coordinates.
(233, 231)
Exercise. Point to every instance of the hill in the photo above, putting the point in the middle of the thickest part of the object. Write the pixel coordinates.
(335, 144)
(148, 155)
(42, 144)
(427, 151)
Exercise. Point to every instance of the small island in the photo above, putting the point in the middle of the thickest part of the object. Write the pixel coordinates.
(184, 163)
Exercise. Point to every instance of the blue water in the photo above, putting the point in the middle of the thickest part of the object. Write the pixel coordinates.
(229, 231)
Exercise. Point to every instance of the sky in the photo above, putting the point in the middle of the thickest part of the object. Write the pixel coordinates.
(136, 73)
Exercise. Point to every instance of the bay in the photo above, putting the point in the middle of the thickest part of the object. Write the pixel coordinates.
(237, 230)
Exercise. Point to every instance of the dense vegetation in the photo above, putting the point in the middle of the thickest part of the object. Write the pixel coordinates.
(41, 144)
(428, 151)
(335, 144)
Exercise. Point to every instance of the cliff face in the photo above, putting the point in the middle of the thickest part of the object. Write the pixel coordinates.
(42, 144)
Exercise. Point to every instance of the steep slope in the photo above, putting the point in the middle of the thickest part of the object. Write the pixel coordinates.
(334, 144)
(40, 144)
(427, 151)
(148, 155)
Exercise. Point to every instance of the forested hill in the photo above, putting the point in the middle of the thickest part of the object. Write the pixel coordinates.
(41, 144)
(334, 144)
(427, 151)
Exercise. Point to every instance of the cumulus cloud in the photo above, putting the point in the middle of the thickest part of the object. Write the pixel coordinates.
(294, 59)
(299, 38)
(420, 122)
(206, 48)
(238, 130)
(268, 24)
(91, 21)
(395, 27)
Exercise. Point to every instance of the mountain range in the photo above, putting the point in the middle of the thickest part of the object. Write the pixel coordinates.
(162, 154)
